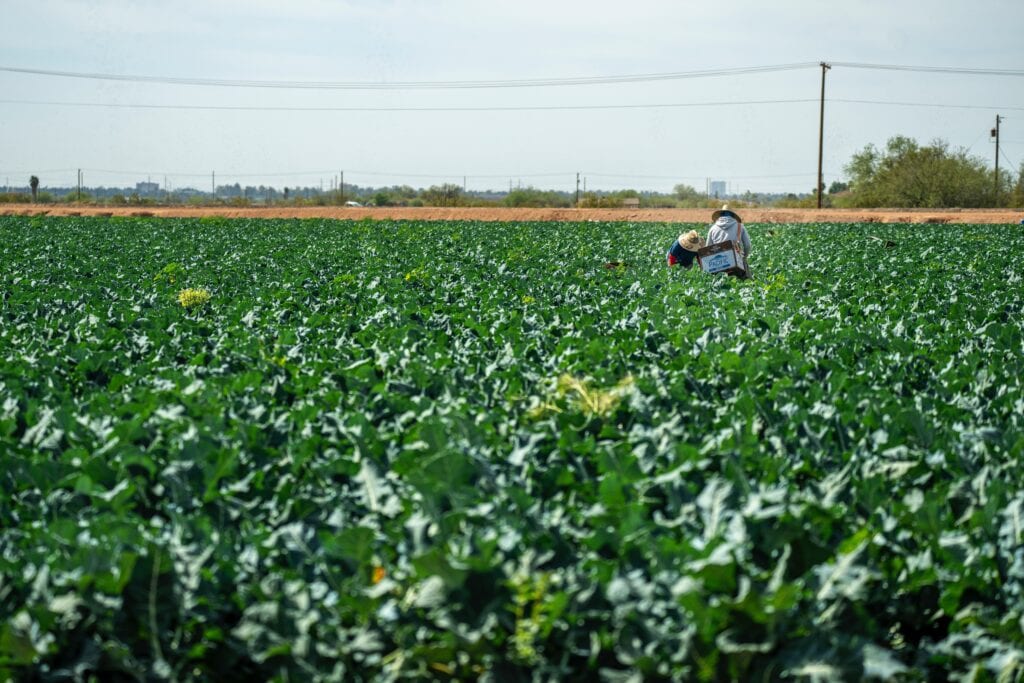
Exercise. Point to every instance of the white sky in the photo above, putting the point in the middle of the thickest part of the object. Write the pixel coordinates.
(758, 147)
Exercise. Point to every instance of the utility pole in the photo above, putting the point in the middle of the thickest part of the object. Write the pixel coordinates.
(342, 186)
(80, 181)
(213, 184)
(995, 134)
(577, 189)
(821, 132)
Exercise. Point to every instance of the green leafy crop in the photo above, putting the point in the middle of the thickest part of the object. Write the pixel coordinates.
(413, 450)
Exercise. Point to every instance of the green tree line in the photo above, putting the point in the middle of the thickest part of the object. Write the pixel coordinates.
(902, 174)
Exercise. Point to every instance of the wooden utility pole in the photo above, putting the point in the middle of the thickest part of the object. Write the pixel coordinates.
(342, 186)
(577, 190)
(213, 184)
(821, 132)
(80, 182)
(995, 134)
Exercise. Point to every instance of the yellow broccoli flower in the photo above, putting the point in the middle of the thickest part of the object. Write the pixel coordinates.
(192, 298)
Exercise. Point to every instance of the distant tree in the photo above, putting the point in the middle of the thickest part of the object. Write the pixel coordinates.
(793, 201)
(658, 200)
(691, 198)
(13, 198)
(532, 197)
(594, 200)
(381, 199)
(75, 196)
(403, 192)
(906, 174)
(837, 187)
(33, 182)
(684, 192)
(448, 194)
(1017, 195)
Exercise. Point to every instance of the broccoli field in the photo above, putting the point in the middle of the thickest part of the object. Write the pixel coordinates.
(375, 450)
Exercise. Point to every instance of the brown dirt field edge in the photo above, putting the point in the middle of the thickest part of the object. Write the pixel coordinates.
(766, 215)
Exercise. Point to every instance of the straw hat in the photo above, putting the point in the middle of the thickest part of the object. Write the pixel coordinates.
(691, 241)
(724, 211)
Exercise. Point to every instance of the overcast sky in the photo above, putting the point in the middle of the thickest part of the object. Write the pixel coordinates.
(761, 147)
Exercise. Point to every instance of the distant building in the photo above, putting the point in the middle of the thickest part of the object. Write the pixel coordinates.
(147, 188)
(631, 203)
(717, 188)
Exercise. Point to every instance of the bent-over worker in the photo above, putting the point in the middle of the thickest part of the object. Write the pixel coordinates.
(684, 250)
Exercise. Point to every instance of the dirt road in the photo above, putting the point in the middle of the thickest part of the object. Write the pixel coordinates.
(766, 215)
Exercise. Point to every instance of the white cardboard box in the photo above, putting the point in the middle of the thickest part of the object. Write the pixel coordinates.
(723, 257)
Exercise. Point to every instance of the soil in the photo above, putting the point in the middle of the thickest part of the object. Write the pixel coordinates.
(766, 215)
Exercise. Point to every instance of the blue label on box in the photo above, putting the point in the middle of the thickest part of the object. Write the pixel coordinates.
(720, 261)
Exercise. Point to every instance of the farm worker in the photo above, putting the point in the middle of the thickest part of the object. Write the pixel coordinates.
(684, 250)
(724, 226)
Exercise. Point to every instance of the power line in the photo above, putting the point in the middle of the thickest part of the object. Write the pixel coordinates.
(925, 104)
(472, 175)
(702, 177)
(44, 170)
(556, 107)
(392, 174)
(414, 85)
(207, 173)
(1003, 153)
(508, 83)
(979, 138)
(591, 174)
(931, 69)
(567, 107)
(314, 173)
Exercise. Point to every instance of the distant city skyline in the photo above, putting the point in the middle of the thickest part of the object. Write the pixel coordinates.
(755, 131)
